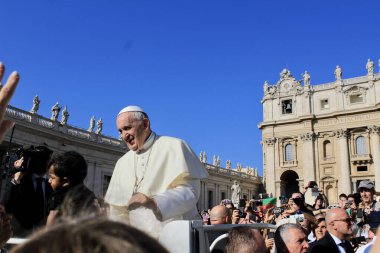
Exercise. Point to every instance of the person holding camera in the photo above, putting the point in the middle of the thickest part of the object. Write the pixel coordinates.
(27, 191)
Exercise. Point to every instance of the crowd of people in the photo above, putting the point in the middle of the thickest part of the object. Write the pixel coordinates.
(50, 205)
(348, 226)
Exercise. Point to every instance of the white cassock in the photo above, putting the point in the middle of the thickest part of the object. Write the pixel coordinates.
(167, 170)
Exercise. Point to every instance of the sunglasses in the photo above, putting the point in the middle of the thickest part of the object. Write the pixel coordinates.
(347, 220)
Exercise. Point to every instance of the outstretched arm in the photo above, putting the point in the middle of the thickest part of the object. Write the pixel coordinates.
(6, 93)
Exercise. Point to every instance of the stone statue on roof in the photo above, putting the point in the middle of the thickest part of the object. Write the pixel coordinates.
(55, 111)
(338, 73)
(65, 116)
(99, 126)
(36, 105)
(370, 66)
(92, 124)
(306, 78)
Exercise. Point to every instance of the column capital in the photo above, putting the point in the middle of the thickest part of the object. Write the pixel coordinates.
(270, 141)
(374, 129)
(341, 133)
(307, 136)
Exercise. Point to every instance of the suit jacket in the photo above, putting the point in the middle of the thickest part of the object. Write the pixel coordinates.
(19, 200)
(328, 245)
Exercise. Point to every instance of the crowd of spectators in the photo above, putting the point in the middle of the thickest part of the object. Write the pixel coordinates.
(347, 226)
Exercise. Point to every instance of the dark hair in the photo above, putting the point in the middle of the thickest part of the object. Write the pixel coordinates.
(315, 225)
(79, 202)
(95, 236)
(343, 195)
(70, 164)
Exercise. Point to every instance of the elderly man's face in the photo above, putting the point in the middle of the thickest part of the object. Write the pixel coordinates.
(296, 241)
(366, 194)
(133, 132)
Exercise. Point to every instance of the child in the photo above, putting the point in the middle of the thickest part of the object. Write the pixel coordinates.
(66, 171)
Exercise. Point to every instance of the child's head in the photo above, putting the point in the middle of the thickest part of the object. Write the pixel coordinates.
(67, 169)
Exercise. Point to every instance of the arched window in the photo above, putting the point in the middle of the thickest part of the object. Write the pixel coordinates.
(360, 145)
(289, 152)
(327, 150)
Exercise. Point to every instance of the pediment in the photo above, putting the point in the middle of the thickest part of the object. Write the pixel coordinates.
(355, 90)
(288, 84)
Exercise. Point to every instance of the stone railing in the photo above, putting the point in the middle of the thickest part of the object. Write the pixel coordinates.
(348, 81)
(361, 158)
(35, 119)
(233, 173)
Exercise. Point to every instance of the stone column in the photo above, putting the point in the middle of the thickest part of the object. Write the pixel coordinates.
(344, 178)
(375, 150)
(308, 162)
(270, 166)
(308, 157)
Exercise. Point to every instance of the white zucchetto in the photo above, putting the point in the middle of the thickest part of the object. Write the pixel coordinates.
(131, 108)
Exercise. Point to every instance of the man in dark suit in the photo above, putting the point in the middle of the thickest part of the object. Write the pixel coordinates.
(338, 230)
(27, 192)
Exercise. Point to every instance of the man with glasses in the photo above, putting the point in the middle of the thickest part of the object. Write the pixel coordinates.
(338, 231)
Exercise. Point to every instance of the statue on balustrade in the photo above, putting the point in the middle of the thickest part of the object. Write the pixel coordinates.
(99, 126)
(218, 161)
(92, 124)
(55, 111)
(204, 157)
(370, 66)
(266, 87)
(338, 73)
(36, 105)
(65, 116)
(238, 167)
(306, 79)
(228, 164)
(235, 193)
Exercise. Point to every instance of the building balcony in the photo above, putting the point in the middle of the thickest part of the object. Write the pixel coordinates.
(292, 163)
(361, 158)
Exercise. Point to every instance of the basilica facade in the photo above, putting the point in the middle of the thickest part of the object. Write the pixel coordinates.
(101, 153)
(327, 133)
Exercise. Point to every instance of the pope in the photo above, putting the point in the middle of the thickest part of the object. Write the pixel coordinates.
(157, 180)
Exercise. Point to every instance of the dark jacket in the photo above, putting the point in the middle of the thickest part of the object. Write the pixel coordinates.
(19, 200)
(327, 245)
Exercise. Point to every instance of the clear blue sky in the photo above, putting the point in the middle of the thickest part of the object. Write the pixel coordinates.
(197, 67)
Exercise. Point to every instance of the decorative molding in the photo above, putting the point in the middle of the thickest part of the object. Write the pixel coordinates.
(307, 136)
(341, 133)
(355, 90)
(374, 129)
(270, 141)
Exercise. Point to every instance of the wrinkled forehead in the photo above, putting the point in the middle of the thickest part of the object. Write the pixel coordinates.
(126, 117)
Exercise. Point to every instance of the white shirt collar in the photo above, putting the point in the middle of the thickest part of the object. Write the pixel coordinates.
(148, 143)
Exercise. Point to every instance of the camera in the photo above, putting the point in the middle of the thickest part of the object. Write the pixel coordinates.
(283, 199)
(277, 211)
(298, 201)
(34, 159)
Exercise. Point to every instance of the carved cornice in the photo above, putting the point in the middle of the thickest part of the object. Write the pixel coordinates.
(270, 141)
(341, 133)
(307, 136)
(374, 129)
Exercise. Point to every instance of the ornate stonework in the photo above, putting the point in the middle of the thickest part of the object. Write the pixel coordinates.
(270, 141)
(344, 115)
(341, 133)
(374, 129)
(307, 136)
